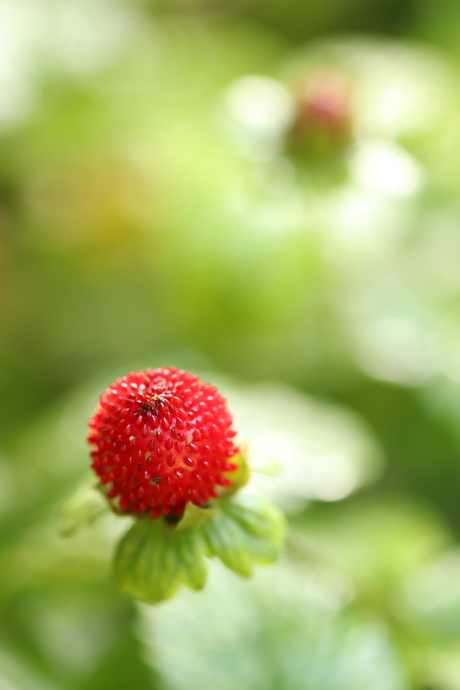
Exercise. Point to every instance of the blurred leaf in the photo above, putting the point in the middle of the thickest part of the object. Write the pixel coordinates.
(321, 451)
(83, 508)
(278, 631)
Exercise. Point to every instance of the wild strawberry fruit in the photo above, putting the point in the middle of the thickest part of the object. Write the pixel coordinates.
(161, 439)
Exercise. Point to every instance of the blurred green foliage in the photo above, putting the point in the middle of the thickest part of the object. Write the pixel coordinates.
(266, 193)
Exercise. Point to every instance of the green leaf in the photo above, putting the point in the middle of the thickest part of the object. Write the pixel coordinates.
(153, 560)
(245, 532)
(194, 516)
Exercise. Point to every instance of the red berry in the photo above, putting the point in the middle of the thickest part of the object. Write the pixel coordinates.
(324, 110)
(161, 439)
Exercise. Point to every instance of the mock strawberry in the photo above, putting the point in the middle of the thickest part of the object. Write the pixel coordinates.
(162, 438)
(324, 118)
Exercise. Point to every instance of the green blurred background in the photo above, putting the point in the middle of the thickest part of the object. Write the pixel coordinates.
(266, 193)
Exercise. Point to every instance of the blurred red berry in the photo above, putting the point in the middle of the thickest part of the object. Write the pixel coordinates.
(161, 439)
(324, 109)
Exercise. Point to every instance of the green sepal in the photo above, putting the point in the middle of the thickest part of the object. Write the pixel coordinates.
(244, 532)
(153, 560)
(156, 557)
(194, 516)
(238, 477)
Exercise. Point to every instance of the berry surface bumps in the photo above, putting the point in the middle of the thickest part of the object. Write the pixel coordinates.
(161, 439)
